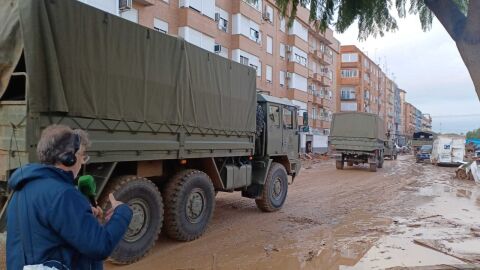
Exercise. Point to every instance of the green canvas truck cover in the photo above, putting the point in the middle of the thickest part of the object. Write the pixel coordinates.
(87, 63)
(358, 125)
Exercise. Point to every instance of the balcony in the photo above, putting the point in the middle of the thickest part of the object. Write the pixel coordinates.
(294, 40)
(323, 78)
(297, 94)
(249, 9)
(327, 59)
(317, 99)
(316, 54)
(295, 67)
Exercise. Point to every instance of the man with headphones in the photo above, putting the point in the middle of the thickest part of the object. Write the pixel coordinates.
(49, 222)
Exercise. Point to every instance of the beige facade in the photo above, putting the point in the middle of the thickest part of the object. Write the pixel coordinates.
(297, 63)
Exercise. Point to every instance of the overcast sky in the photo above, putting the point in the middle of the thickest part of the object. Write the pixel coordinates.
(428, 66)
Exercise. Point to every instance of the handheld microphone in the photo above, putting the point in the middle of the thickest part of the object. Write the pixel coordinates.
(87, 186)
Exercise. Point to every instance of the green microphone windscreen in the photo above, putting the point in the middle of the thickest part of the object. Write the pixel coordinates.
(86, 185)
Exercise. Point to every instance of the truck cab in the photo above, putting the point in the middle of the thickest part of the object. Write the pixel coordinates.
(280, 139)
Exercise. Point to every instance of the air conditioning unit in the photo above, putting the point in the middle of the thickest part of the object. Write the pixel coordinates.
(217, 16)
(125, 5)
(217, 48)
(257, 34)
(289, 75)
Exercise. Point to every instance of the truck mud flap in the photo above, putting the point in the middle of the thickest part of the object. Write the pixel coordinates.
(260, 171)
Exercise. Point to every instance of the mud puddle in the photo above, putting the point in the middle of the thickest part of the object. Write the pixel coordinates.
(443, 230)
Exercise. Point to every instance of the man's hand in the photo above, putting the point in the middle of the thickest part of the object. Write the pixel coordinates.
(114, 204)
(98, 213)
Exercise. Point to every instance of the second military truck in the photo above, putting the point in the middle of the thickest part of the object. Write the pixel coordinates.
(171, 124)
(357, 138)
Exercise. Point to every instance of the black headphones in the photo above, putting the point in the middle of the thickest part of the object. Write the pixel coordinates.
(69, 159)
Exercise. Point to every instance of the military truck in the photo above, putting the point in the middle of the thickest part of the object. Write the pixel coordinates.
(420, 138)
(357, 138)
(171, 124)
(390, 149)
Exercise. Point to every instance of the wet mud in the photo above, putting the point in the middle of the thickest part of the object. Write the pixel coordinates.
(348, 219)
(406, 214)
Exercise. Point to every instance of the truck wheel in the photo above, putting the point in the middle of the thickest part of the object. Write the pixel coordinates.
(395, 157)
(275, 189)
(339, 165)
(373, 167)
(145, 201)
(380, 162)
(189, 204)
(350, 163)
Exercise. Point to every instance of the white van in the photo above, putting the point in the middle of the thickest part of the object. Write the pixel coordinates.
(448, 149)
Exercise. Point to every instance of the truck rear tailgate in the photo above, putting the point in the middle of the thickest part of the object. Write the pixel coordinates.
(13, 120)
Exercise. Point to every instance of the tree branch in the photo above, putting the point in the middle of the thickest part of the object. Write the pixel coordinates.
(472, 24)
(448, 13)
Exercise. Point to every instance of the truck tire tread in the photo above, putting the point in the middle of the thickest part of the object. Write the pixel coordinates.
(172, 193)
(264, 202)
(115, 185)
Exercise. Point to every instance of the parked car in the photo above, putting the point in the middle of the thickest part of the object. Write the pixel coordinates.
(424, 153)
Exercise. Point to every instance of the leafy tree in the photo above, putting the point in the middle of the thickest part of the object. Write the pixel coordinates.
(474, 134)
(460, 18)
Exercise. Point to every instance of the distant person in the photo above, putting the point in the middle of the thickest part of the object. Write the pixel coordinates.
(49, 222)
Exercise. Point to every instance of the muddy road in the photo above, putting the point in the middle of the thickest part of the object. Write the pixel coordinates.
(349, 219)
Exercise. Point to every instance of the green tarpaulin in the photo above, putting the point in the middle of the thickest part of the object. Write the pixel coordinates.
(84, 62)
(357, 125)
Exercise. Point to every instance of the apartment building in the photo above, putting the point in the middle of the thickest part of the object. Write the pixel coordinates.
(402, 96)
(413, 119)
(426, 122)
(296, 62)
(363, 86)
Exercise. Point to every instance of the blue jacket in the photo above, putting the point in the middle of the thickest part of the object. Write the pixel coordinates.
(56, 222)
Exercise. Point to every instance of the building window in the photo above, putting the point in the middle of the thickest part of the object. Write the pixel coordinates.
(348, 57)
(269, 13)
(366, 63)
(269, 45)
(282, 78)
(366, 77)
(282, 25)
(314, 113)
(223, 24)
(282, 50)
(244, 60)
(253, 3)
(301, 60)
(349, 73)
(160, 26)
(268, 75)
(347, 93)
(254, 35)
